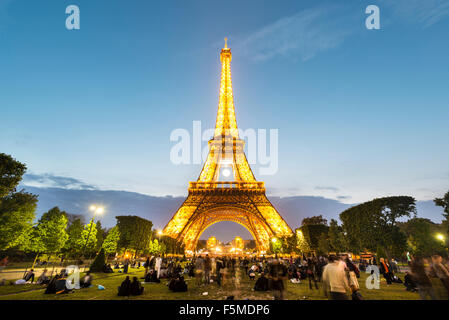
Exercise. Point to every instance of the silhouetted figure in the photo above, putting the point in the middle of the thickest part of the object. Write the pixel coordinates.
(261, 283)
(125, 288)
(136, 288)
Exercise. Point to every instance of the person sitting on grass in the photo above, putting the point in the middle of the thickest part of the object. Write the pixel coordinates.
(136, 288)
(152, 276)
(29, 276)
(51, 286)
(61, 285)
(43, 278)
(178, 284)
(261, 283)
(124, 289)
(86, 281)
(107, 269)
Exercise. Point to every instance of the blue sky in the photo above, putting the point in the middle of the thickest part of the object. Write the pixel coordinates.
(360, 113)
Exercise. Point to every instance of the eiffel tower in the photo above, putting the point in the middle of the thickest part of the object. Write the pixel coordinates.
(213, 197)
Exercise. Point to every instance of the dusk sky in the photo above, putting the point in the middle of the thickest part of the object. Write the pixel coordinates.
(360, 113)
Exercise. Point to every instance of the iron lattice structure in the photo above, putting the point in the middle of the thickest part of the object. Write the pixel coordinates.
(242, 199)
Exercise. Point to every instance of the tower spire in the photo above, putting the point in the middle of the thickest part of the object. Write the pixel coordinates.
(226, 125)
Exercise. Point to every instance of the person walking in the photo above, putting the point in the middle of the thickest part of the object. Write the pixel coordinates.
(207, 269)
(199, 266)
(335, 282)
(278, 272)
(158, 265)
(441, 271)
(146, 265)
(311, 272)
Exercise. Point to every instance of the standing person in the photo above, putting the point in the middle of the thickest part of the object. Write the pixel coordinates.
(353, 273)
(207, 269)
(311, 272)
(158, 265)
(219, 265)
(422, 280)
(441, 271)
(335, 282)
(394, 266)
(146, 265)
(278, 272)
(199, 265)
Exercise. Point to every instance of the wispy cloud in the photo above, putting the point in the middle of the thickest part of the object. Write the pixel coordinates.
(344, 197)
(50, 180)
(335, 189)
(426, 12)
(314, 30)
(303, 35)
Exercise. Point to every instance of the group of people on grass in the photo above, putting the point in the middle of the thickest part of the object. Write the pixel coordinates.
(337, 274)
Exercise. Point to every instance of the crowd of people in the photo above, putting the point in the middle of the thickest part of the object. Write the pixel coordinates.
(336, 275)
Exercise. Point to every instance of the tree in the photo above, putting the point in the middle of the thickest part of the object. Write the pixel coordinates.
(337, 241)
(111, 241)
(308, 236)
(99, 262)
(74, 243)
(51, 231)
(135, 232)
(276, 245)
(373, 224)
(314, 220)
(443, 202)
(290, 244)
(11, 172)
(155, 247)
(71, 218)
(323, 244)
(301, 241)
(17, 212)
(421, 237)
(101, 235)
(17, 209)
(88, 239)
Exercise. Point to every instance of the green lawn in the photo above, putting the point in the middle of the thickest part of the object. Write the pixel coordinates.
(239, 288)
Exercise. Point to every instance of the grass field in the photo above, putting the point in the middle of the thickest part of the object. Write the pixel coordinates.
(238, 286)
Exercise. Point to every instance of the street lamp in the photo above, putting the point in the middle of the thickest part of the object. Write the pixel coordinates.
(440, 237)
(96, 210)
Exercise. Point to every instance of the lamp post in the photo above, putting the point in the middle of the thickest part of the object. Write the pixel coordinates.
(96, 210)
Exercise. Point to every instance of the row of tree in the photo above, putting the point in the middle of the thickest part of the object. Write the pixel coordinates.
(386, 226)
(59, 233)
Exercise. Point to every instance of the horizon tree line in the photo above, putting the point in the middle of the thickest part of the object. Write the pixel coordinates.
(377, 226)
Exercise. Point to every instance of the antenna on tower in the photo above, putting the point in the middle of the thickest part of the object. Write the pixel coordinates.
(226, 43)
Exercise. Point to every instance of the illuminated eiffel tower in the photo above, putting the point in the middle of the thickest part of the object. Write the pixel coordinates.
(213, 199)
